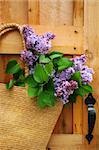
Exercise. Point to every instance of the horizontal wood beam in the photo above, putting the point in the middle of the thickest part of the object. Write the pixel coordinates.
(70, 142)
(63, 140)
(69, 40)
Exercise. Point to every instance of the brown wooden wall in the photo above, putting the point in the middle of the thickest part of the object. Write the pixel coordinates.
(84, 15)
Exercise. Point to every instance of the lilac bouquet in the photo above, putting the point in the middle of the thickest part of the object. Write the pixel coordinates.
(51, 75)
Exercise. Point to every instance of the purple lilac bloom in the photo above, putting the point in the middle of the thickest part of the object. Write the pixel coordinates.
(41, 44)
(67, 73)
(63, 89)
(79, 60)
(86, 72)
(28, 57)
(31, 41)
(49, 35)
(27, 31)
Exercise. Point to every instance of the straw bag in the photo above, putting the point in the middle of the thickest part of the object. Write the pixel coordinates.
(24, 126)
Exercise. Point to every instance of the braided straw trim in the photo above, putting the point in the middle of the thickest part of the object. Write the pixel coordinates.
(10, 27)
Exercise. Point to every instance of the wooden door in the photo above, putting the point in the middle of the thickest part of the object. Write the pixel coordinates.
(76, 25)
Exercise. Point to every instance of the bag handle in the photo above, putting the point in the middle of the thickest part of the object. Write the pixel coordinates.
(10, 27)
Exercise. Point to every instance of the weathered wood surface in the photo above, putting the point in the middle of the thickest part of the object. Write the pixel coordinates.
(13, 11)
(50, 12)
(78, 17)
(91, 47)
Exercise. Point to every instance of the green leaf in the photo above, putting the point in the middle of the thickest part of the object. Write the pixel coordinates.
(20, 83)
(40, 75)
(44, 59)
(30, 81)
(87, 88)
(83, 90)
(10, 84)
(19, 74)
(77, 77)
(32, 92)
(73, 97)
(49, 68)
(55, 52)
(12, 67)
(64, 63)
(19, 78)
(22, 77)
(50, 86)
(46, 98)
(56, 55)
(40, 102)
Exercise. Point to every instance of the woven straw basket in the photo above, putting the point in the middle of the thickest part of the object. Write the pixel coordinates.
(24, 126)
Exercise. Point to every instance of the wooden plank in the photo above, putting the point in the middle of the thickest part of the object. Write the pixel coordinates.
(78, 116)
(77, 108)
(64, 123)
(55, 12)
(33, 12)
(91, 31)
(62, 42)
(63, 140)
(13, 11)
(69, 142)
(78, 13)
(74, 147)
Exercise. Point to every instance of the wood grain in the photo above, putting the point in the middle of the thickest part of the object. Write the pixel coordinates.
(50, 12)
(91, 47)
(33, 12)
(56, 12)
(78, 17)
(69, 142)
(64, 124)
(13, 11)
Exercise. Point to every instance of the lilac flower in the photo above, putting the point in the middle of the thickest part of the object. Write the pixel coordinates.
(41, 44)
(31, 41)
(28, 57)
(86, 72)
(79, 60)
(27, 31)
(67, 73)
(49, 35)
(64, 88)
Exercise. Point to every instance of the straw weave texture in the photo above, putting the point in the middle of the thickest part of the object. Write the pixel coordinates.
(23, 125)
